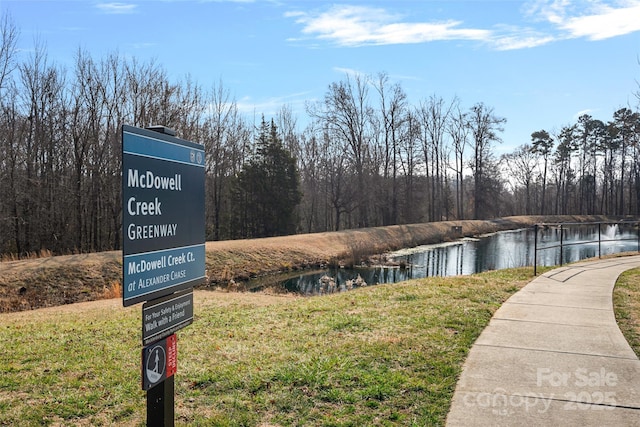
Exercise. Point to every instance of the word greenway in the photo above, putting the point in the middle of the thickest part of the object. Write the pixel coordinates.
(137, 232)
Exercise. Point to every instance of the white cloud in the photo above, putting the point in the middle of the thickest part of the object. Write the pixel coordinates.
(594, 20)
(520, 42)
(552, 11)
(512, 38)
(582, 113)
(117, 8)
(606, 23)
(352, 26)
(360, 25)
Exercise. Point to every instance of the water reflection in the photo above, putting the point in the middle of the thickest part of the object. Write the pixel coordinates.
(501, 250)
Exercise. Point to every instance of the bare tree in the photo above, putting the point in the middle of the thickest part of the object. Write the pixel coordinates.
(8, 42)
(41, 87)
(393, 112)
(410, 163)
(145, 86)
(520, 167)
(10, 128)
(286, 123)
(346, 115)
(434, 116)
(484, 126)
(458, 129)
(226, 135)
(12, 154)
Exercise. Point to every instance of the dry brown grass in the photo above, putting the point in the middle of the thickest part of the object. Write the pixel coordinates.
(42, 282)
(42, 253)
(114, 290)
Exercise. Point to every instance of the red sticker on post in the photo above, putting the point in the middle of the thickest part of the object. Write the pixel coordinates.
(172, 355)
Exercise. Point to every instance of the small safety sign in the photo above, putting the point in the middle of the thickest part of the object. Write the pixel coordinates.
(159, 361)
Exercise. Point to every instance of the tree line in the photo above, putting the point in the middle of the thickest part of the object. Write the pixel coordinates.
(365, 157)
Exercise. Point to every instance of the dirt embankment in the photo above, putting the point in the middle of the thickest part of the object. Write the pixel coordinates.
(45, 282)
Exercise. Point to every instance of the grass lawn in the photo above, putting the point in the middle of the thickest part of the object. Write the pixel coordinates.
(626, 302)
(383, 355)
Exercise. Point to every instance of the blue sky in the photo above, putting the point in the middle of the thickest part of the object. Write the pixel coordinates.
(539, 64)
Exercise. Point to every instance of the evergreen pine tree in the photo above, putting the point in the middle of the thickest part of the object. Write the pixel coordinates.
(268, 188)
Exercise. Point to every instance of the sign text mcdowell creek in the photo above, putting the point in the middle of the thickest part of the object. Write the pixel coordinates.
(163, 214)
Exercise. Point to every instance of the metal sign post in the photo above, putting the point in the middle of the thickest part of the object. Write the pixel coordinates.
(159, 364)
(163, 255)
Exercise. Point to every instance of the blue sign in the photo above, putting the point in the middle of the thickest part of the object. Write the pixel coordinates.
(162, 214)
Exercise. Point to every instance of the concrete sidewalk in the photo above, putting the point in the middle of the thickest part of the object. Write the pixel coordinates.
(553, 355)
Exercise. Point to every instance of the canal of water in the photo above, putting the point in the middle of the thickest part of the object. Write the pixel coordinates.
(506, 249)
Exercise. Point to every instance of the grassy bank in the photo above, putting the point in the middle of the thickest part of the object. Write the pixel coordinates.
(384, 355)
(44, 282)
(626, 302)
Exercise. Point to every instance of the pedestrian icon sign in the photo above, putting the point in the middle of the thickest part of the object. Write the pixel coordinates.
(155, 369)
(159, 361)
